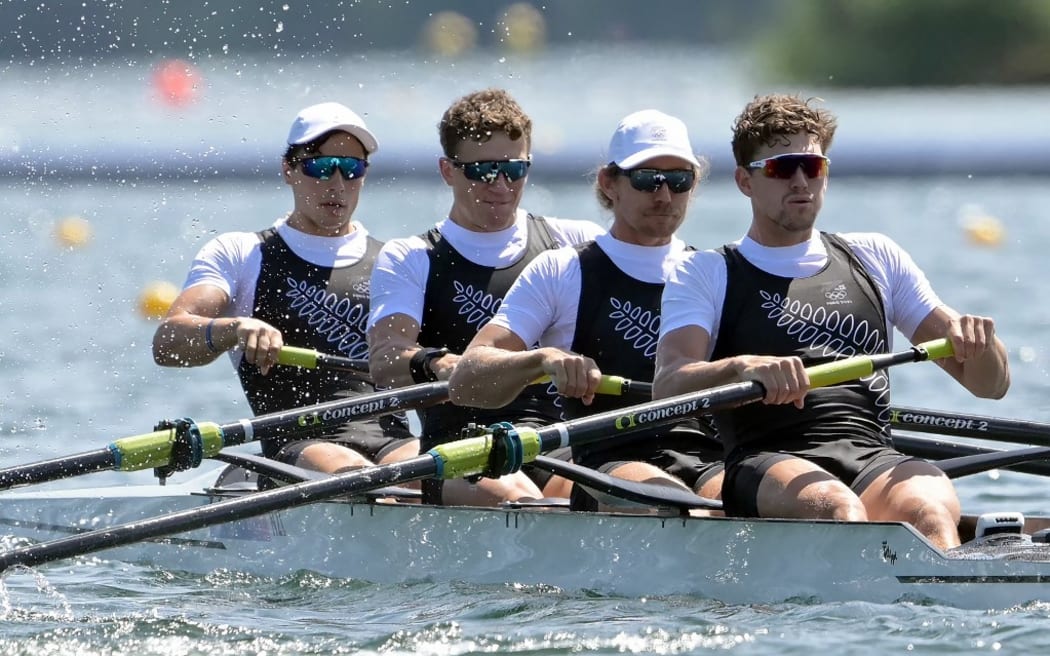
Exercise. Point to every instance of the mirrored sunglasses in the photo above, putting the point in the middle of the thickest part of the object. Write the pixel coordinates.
(783, 167)
(490, 170)
(323, 168)
(677, 180)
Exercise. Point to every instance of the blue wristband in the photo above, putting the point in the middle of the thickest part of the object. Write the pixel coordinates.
(207, 337)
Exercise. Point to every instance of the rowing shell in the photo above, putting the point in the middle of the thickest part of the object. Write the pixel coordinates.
(732, 560)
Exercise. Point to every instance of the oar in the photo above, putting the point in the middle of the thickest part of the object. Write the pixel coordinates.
(292, 474)
(648, 493)
(467, 457)
(184, 446)
(967, 425)
(941, 451)
(310, 359)
(982, 462)
(204, 439)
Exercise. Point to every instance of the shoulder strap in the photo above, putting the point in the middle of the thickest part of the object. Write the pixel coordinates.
(267, 234)
(543, 231)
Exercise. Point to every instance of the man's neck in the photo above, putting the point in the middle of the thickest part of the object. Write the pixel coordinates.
(778, 238)
(463, 220)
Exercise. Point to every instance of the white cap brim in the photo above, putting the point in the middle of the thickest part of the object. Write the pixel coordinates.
(637, 159)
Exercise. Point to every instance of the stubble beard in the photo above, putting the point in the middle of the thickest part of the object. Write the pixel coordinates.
(796, 220)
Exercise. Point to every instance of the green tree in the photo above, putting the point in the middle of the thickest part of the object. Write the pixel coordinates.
(880, 43)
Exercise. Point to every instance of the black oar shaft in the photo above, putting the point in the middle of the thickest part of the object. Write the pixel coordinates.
(49, 470)
(938, 450)
(225, 511)
(334, 413)
(975, 426)
(977, 463)
(605, 425)
(154, 449)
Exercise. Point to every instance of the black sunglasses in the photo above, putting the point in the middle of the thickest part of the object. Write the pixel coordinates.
(783, 167)
(490, 170)
(323, 168)
(677, 180)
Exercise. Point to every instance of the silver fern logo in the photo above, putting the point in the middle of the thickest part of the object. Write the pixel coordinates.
(476, 306)
(833, 334)
(340, 320)
(638, 326)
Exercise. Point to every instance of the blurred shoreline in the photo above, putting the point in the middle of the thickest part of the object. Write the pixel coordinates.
(111, 121)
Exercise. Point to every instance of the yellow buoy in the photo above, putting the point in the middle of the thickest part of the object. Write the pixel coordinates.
(73, 232)
(449, 33)
(525, 29)
(984, 230)
(156, 298)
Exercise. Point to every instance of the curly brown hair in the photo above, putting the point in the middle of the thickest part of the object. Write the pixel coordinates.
(772, 119)
(476, 116)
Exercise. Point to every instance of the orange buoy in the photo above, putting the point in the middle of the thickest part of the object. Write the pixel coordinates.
(984, 231)
(73, 232)
(176, 82)
(156, 298)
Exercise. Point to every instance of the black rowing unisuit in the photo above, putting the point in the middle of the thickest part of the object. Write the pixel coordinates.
(316, 307)
(834, 314)
(460, 298)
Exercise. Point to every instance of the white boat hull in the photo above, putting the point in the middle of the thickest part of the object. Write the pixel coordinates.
(733, 560)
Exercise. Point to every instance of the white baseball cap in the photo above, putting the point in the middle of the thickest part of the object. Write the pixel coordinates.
(650, 133)
(323, 118)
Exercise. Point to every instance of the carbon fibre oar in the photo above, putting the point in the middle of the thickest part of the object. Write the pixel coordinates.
(982, 462)
(652, 494)
(966, 425)
(311, 359)
(204, 439)
(940, 451)
(166, 446)
(467, 457)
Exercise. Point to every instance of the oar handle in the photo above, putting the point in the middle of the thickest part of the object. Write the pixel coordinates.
(614, 386)
(839, 371)
(296, 356)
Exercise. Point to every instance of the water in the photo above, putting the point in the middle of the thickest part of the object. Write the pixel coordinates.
(78, 371)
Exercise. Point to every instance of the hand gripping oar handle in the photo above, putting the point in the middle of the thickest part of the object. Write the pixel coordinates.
(462, 458)
(152, 450)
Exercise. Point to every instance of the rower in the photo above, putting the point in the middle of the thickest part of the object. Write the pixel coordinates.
(432, 292)
(246, 294)
(595, 309)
